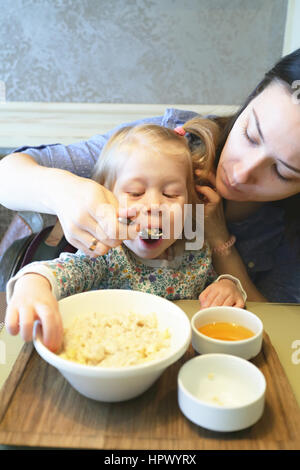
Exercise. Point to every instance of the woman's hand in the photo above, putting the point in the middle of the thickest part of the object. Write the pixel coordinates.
(33, 300)
(85, 209)
(221, 293)
(215, 228)
(88, 211)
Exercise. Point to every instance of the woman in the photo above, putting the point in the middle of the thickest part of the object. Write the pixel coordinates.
(257, 185)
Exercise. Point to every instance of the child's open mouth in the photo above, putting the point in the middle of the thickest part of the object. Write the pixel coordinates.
(151, 237)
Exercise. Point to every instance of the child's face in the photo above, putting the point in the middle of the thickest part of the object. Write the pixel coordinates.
(147, 180)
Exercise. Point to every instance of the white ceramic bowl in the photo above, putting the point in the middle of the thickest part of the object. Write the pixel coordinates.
(124, 383)
(246, 348)
(221, 392)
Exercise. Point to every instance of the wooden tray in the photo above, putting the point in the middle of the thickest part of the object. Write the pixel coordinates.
(39, 408)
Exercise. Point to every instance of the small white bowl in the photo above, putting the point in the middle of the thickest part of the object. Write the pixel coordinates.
(221, 392)
(117, 384)
(246, 348)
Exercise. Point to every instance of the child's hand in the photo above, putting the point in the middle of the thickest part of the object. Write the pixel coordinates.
(33, 300)
(215, 226)
(224, 292)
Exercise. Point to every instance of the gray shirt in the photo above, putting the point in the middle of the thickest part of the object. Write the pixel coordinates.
(273, 263)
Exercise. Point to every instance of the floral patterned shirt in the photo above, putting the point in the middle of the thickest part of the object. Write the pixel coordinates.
(184, 276)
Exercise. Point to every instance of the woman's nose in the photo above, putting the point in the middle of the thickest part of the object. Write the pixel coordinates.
(246, 171)
(241, 174)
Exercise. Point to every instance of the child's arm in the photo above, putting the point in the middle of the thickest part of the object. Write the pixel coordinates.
(33, 300)
(233, 263)
(68, 275)
(221, 290)
(34, 291)
(226, 290)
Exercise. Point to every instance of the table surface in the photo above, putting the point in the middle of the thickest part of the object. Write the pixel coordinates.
(281, 322)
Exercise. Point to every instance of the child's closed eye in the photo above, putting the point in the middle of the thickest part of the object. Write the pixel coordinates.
(135, 194)
(171, 196)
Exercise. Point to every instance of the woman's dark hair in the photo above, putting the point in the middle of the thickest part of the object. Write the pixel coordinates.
(287, 72)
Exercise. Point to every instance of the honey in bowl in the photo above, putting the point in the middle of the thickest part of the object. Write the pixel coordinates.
(226, 331)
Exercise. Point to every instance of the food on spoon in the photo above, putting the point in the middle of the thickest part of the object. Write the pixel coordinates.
(153, 233)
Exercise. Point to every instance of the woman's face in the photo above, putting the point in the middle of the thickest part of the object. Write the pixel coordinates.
(261, 157)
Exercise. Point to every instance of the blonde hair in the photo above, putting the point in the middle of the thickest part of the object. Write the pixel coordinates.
(198, 145)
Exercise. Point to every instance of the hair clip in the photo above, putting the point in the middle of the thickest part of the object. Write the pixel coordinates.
(179, 130)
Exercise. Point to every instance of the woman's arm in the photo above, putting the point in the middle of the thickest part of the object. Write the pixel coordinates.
(80, 203)
(26, 185)
(54, 179)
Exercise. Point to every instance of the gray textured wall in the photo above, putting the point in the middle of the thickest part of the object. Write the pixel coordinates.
(138, 51)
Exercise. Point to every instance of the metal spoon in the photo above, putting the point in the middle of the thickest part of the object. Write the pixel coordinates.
(153, 233)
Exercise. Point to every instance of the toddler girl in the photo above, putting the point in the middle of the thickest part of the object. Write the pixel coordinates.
(149, 168)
